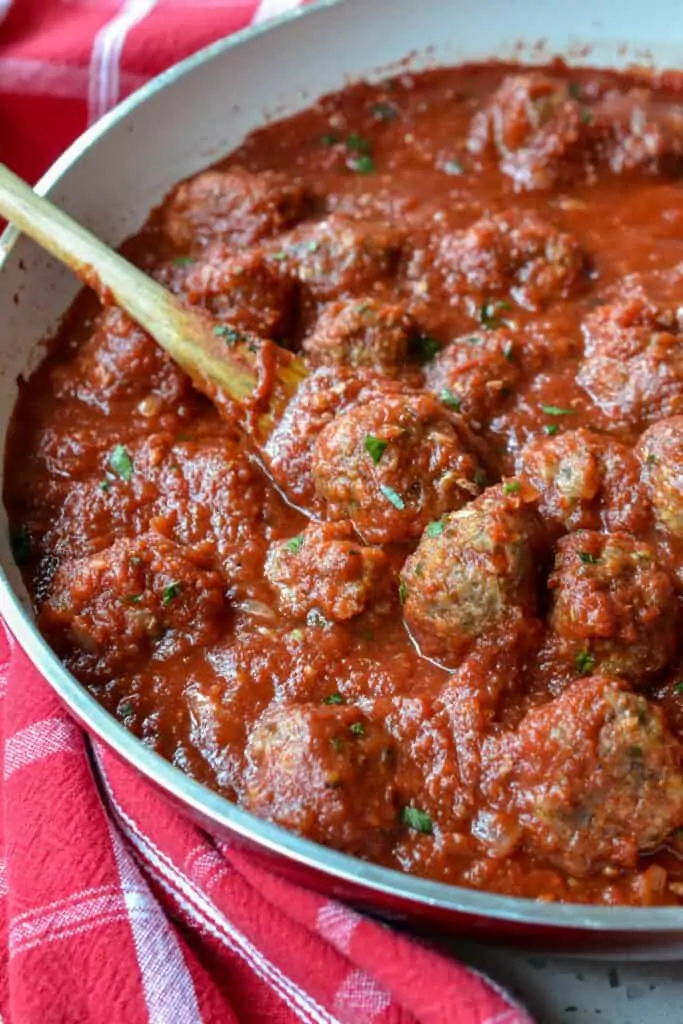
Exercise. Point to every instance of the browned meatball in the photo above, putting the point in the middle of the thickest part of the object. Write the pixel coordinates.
(594, 776)
(538, 127)
(137, 595)
(513, 254)
(634, 132)
(324, 394)
(586, 482)
(633, 369)
(614, 608)
(325, 569)
(474, 572)
(362, 332)
(324, 772)
(243, 289)
(394, 464)
(661, 452)
(476, 373)
(121, 363)
(339, 256)
(232, 206)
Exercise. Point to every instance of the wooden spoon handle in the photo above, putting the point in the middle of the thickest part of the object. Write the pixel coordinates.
(223, 363)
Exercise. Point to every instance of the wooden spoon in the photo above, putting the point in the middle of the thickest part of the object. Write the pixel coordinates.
(236, 370)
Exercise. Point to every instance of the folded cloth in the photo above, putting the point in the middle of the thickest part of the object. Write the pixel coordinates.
(113, 907)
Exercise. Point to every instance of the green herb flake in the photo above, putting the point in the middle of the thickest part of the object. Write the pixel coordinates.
(334, 698)
(453, 168)
(435, 529)
(104, 485)
(337, 744)
(678, 687)
(329, 139)
(585, 662)
(375, 447)
(20, 542)
(574, 90)
(229, 334)
(512, 487)
(126, 709)
(393, 497)
(450, 399)
(357, 144)
(358, 729)
(183, 261)
(134, 599)
(171, 592)
(316, 618)
(551, 429)
(362, 164)
(651, 460)
(508, 351)
(488, 314)
(586, 115)
(418, 820)
(402, 591)
(121, 462)
(279, 256)
(556, 410)
(425, 348)
(384, 112)
(295, 544)
(588, 559)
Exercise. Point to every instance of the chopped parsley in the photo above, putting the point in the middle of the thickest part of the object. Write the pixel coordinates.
(588, 559)
(450, 399)
(488, 314)
(556, 410)
(121, 462)
(295, 544)
(384, 112)
(357, 144)
(393, 497)
(334, 698)
(375, 447)
(20, 542)
(134, 599)
(651, 460)
(425, 348)
(435, 529)
(126, 709)
(402, 591)
(316, 618)
(678, 687)
(417, 820)
(574, 90)
(419, 569)
(229, 334)
(362, 164)
(329, 139)
(512, 487)
(104, 485)
(183, 261)
(337, 744)
(171, 592)
(358, 729)
(453, 167)
(551, 429)
(585, 662)
(586, 115)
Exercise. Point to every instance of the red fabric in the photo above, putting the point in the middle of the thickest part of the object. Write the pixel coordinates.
(114, 908)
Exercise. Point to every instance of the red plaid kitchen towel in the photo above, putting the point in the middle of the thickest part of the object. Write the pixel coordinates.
(113, 908)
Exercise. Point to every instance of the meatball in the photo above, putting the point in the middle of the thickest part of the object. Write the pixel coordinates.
(340, 256)
(136, 596)
(394, 464)
(121, 363)
(634, 132)
(516, 254)
(538, 127)
(586, 482)
(243, 289)
(324, 394)
(594, 776)
(232, 206)
(476, 373)
(364, 332)
(324, 772)
(326, 569)
(614, 608)
(474, 572)
(661, 452)
(633, 367)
